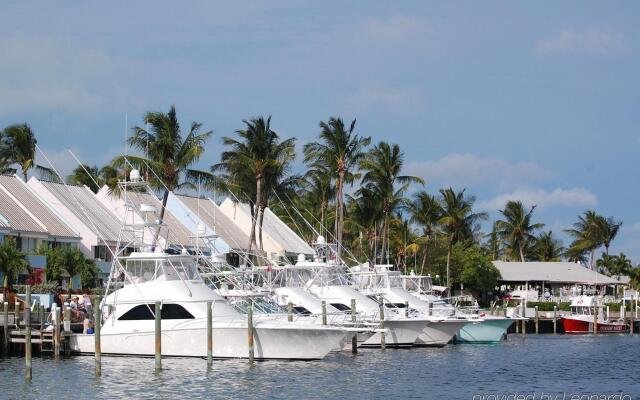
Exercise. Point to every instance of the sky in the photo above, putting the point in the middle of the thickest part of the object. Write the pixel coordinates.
(535, 101)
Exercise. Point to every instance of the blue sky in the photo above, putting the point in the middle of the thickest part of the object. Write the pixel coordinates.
(535, 101)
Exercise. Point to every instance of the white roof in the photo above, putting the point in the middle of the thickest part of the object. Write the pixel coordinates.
(277, 235)
(560, 272)
(86, 207)
(209, 213)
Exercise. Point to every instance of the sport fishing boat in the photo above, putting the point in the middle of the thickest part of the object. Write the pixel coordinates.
(382, 281)
(480, 327)
(581, 319)
(308, 283)
(149, 274)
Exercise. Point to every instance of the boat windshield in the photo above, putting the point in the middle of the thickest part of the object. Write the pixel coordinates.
(145, 270)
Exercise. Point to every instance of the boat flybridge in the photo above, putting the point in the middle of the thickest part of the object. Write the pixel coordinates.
(144, 273)
(307, 283)
(481, 328)
(381, 280)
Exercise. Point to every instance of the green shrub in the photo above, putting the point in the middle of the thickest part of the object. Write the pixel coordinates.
(43, 288)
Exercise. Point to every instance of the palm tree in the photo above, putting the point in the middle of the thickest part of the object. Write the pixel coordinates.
(382, 167)
(493, 245)
(12, 262)
(608, 228)
(364, 212)
(516, 227)
(319, 192)
(86, 175)
(547, 248)
(425, 211)
(20, 147)
(339, 151)
(169, 155)
(587, 235)
(458, 220)
(256, 159)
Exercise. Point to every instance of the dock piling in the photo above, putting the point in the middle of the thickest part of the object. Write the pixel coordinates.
(383, 344)
(555, 319)
(67, 329)
(158, 317)
(324, 312)
(537, 321)
(5, 328)
(524, 320)
(16, 314)
(97, 322)
(27, 336)
(209, 335)
(595, 320)
(56, 334)
(290, 312)
(354, 339)
(250, 332)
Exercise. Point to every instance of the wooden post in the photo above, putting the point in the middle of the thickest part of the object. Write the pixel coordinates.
(16, 312)
(97, 322)
(406, 309)
(354, 339)
(290, 312)
(56, 334)
(504, 311)
(5, 328)
(555, 319)
(250, 331)
(67, 329)
(608, 313)
(324, 312)
(383, 344)
(209, 335)
(623, 313)
(595, 320)
(27, 336)
(631, 318)
(537, 321)
(524, 320)
(41, 318)
(158, 316)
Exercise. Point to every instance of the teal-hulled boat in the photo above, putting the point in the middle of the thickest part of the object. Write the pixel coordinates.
(489, 329)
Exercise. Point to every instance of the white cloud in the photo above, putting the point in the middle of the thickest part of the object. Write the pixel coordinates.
(587, 41)
(44, 74)
(394, 100)
(543, 199)
(469, 169)
(396, 29)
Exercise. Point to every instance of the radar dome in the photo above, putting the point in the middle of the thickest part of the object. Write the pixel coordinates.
(134, 175)
(321, 240)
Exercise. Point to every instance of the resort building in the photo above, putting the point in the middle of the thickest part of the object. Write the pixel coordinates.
(279, 240)
(98, 227)
(31, 222)
(193, 211)
(547, 280)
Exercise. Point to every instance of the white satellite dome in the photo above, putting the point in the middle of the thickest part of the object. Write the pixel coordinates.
(321, 240)
(301, 258)
(134, 175)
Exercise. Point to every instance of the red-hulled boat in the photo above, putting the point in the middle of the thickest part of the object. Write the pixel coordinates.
(581, 318)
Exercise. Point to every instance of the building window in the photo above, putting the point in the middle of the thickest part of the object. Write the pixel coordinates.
(145, 312)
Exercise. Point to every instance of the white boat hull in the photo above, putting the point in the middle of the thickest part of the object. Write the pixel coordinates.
(439, 333)
(270, 342)
(400, 333)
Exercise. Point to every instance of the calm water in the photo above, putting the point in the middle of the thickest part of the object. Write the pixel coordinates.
(544, 363)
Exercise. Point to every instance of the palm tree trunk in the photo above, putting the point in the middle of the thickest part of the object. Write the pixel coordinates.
(449, 250)
(424, 258)
(252, 236)
(260, 219)
(339, 215)
(24, 174)
(521, 253)
(156, 236)
(384, 231)
(5, 286)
